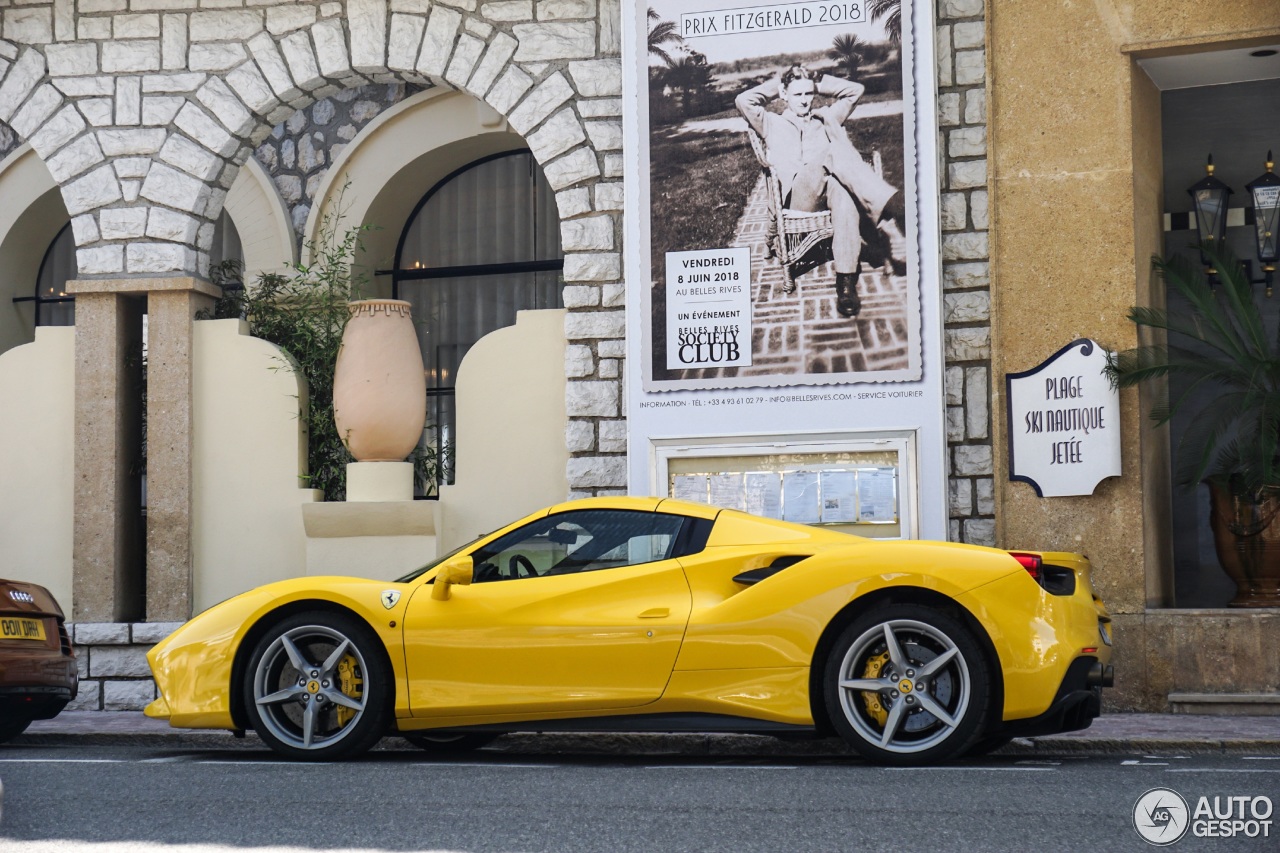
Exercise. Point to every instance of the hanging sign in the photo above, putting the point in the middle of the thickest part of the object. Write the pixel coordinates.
(1064, 422)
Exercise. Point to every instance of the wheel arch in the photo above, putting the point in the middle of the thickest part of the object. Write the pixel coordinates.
(882, 598)
(264, 623)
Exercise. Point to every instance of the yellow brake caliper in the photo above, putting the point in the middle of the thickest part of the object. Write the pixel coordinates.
(351, 684)
(872, 700)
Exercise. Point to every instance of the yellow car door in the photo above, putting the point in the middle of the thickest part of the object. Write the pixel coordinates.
(580, 610)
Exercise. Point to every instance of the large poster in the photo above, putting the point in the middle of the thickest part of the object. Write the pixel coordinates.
(782, 229)
(783, 245)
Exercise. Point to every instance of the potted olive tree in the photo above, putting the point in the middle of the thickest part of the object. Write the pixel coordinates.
(1229, 364)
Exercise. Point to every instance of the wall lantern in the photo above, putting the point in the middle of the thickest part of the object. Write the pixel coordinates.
(1209, 197)
(1265, 191)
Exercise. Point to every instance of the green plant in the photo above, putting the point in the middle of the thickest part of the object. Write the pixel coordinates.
(1231, 367)
(304, 314)
(430, 464)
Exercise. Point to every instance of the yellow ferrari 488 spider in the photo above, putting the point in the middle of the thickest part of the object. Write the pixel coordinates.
(646, 614)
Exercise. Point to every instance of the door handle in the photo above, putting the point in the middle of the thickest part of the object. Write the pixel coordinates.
(656, 613)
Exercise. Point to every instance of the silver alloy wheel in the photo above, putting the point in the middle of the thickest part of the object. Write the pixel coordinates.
(923, 687)
(297, 687)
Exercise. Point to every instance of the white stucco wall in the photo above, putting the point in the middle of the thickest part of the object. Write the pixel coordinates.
(511, 454)
(37, 411)
(261, 220)
(248, 452)
(31, 215)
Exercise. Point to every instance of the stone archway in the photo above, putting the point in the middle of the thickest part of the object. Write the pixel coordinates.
(144, 119)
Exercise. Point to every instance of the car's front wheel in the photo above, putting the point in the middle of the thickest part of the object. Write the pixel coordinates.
(907, 685)
(318, 687)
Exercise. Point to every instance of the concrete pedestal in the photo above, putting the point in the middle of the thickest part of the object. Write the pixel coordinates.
(379, 481)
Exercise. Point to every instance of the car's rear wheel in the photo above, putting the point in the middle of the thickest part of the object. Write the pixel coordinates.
(448, 742)
(10, 729)
(318, 687)
(907, 684)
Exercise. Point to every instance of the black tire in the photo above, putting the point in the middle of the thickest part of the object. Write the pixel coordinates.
(318, 687)
(11, 728)
(873, 701)
(448, 743)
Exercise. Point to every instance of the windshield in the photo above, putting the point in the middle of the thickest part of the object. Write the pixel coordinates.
(417, 573)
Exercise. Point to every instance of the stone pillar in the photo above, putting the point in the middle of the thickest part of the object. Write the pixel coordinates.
(171, 308)
(107, 540)
(110, 581)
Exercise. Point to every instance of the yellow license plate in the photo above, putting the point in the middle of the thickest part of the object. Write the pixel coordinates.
(21, 629)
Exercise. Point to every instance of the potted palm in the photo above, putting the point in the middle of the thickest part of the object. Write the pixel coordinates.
(1224, 353)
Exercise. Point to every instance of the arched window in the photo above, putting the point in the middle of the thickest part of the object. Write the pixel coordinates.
(481, 245)
(54, 306)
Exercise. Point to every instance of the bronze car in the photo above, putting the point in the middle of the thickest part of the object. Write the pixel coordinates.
(37, 664)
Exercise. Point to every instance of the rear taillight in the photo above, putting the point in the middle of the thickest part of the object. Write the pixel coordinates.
(1055, 580)
(1031, 562)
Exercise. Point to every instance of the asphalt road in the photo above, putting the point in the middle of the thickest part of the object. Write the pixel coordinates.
(107, 799)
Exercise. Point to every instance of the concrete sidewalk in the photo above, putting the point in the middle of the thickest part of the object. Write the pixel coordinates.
(1111, 733)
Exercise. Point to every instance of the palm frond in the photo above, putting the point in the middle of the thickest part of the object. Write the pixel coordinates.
(1228, 367)
(891, 12)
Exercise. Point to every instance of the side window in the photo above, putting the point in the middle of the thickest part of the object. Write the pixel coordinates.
(582, 541)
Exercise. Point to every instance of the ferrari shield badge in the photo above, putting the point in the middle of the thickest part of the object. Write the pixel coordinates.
(390, 597)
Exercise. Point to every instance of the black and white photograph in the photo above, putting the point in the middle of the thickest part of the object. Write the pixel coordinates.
(781, 195)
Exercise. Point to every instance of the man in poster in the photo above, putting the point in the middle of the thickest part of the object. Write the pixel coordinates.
(819, 169)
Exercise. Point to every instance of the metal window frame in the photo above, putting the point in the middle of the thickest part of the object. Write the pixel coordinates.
(44, 261)
(399, 274)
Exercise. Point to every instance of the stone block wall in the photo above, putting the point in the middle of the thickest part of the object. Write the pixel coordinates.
(298, 153)
(112, 660)
(962, 145)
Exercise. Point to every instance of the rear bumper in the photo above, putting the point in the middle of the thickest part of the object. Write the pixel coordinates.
(1075, 706)
(36, 703)
(36, 683)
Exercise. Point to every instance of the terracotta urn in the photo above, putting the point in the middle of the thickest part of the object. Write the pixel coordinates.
(1246, 536)
(379, 389)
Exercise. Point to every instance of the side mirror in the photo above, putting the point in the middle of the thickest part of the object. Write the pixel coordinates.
(458, 570)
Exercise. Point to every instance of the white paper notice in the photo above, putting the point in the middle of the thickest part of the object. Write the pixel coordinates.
(690, 487)
(764, 493)
(727, 491)
(877, 494)
(800, 497)
(839, 505)
(709, 309)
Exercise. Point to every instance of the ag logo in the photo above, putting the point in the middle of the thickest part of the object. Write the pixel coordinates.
(390, 597)
(1161, 817)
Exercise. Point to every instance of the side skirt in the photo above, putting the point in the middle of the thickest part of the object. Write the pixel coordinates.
(648, 723)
